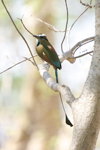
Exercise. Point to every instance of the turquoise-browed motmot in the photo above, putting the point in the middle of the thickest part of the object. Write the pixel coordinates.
(46, 51)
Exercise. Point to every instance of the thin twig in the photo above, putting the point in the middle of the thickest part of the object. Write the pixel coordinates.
(29, 60)
(51, 27)
(10, 60)
(14, 65)
(87, 5)
(24, 25)
(82, 45)
(81, 55)
(18, 63)
(65, 27)
(19, 32)
(74, 24)
(85, 41)
(77, 19)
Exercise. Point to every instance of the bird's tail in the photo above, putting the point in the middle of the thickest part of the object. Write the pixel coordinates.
(56, 75)
(67, 120)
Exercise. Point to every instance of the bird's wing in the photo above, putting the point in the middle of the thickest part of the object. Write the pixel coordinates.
(52, 55)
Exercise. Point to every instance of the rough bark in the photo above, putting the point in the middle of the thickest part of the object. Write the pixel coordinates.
(86, 109)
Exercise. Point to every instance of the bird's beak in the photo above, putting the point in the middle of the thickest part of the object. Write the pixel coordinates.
(36, 36)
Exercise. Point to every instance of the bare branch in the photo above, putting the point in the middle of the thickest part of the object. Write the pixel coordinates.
(74, 24)
(18, 63)
(14, 65)
(87, 5)
(10, 60)
(24, 25)
(29, 60)
(66, 92)
(19, 32)
(69, 55)
(79, 44)
(82, 55)
(51, 27)
(65, 27)
(77, 19)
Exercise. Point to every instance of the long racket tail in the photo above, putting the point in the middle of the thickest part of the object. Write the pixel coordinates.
(67, 120)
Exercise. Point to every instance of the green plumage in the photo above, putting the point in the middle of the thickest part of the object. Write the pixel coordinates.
(44, 48)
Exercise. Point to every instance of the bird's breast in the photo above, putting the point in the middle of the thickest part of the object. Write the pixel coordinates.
(39, 50)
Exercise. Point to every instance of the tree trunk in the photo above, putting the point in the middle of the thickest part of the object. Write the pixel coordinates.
(86, 109)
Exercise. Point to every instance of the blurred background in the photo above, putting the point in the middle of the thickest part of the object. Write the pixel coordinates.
(31, 115)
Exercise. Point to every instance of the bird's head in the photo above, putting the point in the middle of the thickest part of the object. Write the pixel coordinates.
(40, 37)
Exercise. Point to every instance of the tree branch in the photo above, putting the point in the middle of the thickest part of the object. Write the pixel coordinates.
(64, 90)
(14, 65)
(69, 55)
(82, 55)
(81, 43)
(51, 27)
(74, 24)
(87, 5)
(65, 27)
(19, 32)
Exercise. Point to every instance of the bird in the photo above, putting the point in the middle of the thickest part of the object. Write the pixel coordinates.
(46, 51)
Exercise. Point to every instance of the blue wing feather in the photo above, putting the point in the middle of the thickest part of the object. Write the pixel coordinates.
(52, 56)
